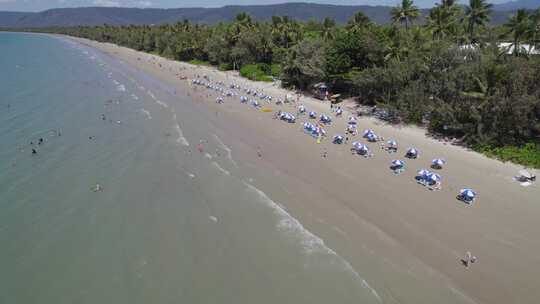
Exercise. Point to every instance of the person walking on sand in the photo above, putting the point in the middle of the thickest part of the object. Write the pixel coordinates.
(469, 259)
(200, 147)
(259, 152)
(325, 153)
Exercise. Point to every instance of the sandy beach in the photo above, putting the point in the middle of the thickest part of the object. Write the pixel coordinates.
(409, 239)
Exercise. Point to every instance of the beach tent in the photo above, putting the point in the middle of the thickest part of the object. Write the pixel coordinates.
(411, 153)
(338, 139)
(312, 114)
(437, 163)
(467, 195)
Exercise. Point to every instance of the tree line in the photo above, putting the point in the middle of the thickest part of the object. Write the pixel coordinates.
(449, 73)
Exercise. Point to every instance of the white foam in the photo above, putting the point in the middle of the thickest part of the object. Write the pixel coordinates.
(207, 155)
(226, 148)
(147, 113)
(220, 168)
(121, 88)
(181, 139)
(213, 218)
(134, 96)
(310, 242)
(159, 102)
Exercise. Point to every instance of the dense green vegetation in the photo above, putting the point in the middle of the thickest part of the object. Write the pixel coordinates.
(449, 74)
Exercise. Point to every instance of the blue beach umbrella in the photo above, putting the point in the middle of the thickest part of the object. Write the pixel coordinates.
(312, 114)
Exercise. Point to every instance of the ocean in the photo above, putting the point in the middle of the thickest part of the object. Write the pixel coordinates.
(167, 225)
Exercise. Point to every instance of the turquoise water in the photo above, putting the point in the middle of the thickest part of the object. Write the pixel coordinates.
(168, 226)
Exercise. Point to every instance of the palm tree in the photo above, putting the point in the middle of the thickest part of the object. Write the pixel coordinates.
(405, 13)
(535, 30)
(442, 19)
(358, 20)
(328, 26)
(477, 14)
(519, 27)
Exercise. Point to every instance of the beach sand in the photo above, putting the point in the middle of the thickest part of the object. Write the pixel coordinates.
(407, 239)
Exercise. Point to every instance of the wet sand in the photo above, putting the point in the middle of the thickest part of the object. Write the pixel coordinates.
(406, 239)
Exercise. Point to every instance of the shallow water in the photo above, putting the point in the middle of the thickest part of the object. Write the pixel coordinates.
(170, 225)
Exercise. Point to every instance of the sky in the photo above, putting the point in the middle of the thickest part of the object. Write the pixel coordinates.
(40, 5)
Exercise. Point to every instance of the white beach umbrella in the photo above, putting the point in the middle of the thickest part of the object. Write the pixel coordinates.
(312, 114)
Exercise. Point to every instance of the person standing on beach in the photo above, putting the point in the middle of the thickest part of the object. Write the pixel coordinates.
(259, 152)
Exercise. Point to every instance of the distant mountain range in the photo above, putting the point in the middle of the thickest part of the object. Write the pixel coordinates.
(300, 11)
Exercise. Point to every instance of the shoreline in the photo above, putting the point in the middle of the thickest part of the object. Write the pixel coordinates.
(414, 234)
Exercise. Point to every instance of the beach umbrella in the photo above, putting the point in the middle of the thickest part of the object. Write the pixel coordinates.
(422, 173)
(325, 119)
(372, 137)
(312, 114)
(392, 143)
(301, 109)
(412, 153)
(397, 163)
(467, 194)
(361, 148)
(352, 120)
(433, 177)
(339, 111)
(438, 162)
(338, 139)
(367, 132)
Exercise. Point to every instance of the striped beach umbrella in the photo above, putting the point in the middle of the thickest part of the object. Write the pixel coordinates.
(412, 153)
(438, 162)
(397, 163)
(392, 143)
(372, 137)
(467, 194)
(434, 177)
